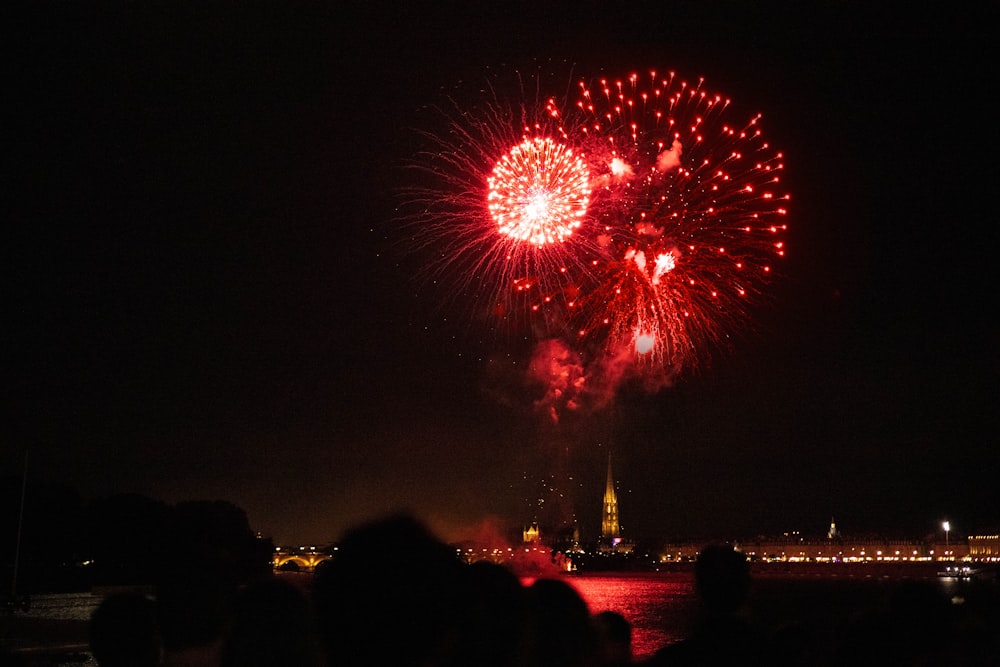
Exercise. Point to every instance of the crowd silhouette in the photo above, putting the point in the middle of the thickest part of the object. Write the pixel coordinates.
(394, 594)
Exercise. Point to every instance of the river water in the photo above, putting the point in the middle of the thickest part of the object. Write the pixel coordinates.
(663, 607)
(660, 607)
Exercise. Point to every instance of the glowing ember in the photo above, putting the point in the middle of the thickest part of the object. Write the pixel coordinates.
(643, 342)
(664, 264)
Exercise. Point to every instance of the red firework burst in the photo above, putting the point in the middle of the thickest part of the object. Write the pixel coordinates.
(642, 216)
(509, 190)
(689, 225)
(538, 192)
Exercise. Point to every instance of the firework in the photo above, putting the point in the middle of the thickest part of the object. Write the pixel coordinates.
(508, 190)
(689, 228)
(538, 192)
(633, 214)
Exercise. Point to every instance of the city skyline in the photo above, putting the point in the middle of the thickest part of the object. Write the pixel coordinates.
(213, 296)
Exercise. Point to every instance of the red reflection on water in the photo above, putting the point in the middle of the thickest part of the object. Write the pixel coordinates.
(660, 607)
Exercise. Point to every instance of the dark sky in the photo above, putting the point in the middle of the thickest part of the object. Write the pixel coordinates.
(207, 298)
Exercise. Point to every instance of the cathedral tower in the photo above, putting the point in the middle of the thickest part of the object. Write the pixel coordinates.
(610, 529)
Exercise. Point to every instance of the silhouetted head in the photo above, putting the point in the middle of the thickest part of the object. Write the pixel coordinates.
(921, 621)
(614, 633)
(388, 596)
(560, 631)
(493, 618)
(722, 576)
(272, 626)
(124, 632)
(194, 601)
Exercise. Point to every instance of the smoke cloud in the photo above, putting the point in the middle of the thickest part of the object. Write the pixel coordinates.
(560, 372)
(671, 158)
(568, 384)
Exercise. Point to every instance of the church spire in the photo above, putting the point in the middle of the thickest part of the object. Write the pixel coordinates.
(609, 523)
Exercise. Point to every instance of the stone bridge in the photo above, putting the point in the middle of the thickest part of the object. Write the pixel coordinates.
(298, 559)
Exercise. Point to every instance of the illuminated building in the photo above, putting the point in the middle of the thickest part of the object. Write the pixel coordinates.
(611, 533)
(984, 547)
(610, 529)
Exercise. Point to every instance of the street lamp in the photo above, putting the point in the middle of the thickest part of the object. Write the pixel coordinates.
(947, 528)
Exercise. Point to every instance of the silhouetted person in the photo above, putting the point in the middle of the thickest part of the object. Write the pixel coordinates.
(272, 627)
(389, 596)
(793, 644)
(209, 550)
(722, 635)
(194, 602)
(124, 633)
(492, 622)
(915, 627)
(614, 636)
(559, 632)
(922, 623)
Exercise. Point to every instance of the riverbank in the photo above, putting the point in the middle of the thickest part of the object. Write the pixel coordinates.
(878, 569)
(985, 572)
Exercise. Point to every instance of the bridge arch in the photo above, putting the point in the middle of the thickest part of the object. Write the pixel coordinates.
(298, 560)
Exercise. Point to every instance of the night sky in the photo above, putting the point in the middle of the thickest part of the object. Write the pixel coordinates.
(209, 294)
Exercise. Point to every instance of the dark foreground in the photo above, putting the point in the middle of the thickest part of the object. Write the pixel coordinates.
(819, 600)
(39, 642)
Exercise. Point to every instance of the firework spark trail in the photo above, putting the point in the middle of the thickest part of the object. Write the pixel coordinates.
(637, 222)
(690, 232)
